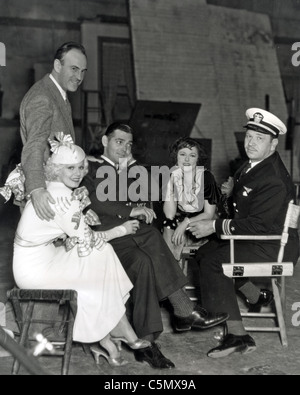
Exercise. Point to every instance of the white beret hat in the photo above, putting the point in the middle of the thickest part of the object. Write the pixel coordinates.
(64, 151)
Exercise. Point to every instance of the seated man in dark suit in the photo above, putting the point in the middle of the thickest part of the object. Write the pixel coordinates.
(145, 256)
(262, 191)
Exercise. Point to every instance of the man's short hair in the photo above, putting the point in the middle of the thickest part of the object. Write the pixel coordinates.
(66, 47)
(118, 126)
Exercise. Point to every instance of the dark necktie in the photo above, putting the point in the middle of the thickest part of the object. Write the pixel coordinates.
(245, 170)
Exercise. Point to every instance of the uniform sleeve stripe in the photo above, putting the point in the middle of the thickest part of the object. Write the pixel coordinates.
(226, 227)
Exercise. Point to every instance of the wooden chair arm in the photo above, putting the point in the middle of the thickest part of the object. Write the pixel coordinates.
(251, 237)
(258, 269)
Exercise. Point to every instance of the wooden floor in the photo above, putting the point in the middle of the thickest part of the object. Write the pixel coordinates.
(188, 351)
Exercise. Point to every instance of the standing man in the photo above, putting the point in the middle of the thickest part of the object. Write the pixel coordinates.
(45, 110)
(262, 191)
(145, 256)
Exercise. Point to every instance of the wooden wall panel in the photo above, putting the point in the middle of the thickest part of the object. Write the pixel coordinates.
(222, 58)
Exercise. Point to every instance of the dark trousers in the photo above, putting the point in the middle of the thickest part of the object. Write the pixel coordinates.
(218, 293)
(154, 273)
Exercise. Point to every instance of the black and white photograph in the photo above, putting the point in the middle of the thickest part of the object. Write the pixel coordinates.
(150, 190)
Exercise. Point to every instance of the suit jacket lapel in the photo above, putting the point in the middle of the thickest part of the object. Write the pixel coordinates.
(240, 170)
(239, 182)
(253, 172)
(64, 108)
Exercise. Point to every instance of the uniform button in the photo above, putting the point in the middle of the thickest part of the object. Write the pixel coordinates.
(234, 204)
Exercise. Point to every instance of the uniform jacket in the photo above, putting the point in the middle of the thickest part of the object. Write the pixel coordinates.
(43, 112)
(260, 200)
(117, 209)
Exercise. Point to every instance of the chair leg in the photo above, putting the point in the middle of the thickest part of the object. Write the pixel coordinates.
(281, 282)
(279, 313)
(18, 312)
(24, 333)
(69, 341)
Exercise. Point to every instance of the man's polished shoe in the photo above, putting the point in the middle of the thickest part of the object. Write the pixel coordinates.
(266, 297)
(154, 357)
(232, 343)
(199, 319)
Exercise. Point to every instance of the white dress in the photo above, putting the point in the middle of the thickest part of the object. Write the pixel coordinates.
(87, 265)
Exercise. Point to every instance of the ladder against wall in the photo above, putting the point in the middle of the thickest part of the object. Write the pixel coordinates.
(98, 114)
(93, 120)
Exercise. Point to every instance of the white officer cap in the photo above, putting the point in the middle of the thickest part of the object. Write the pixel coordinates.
(264, 122)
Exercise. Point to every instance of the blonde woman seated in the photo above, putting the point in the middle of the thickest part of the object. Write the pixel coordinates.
(86, 263)
(191, 193)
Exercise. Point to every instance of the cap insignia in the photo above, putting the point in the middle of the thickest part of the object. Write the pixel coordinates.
(258, 117)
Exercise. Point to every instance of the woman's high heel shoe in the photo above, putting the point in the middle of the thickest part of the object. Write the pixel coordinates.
(113, 362)
(136, 345)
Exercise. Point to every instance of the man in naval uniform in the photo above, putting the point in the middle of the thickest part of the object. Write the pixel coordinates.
(145, 256)
(262, 191)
